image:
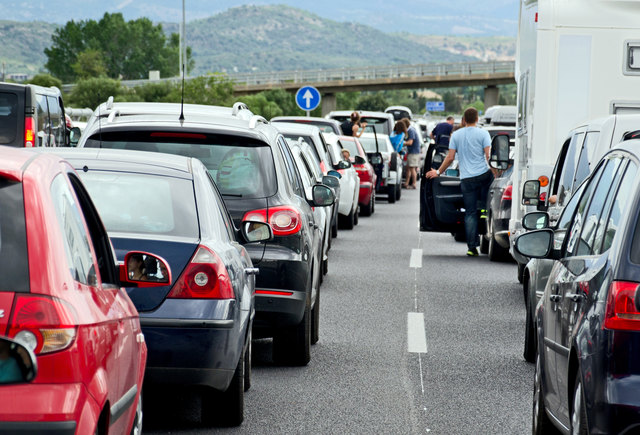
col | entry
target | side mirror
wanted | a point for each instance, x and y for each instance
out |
(333, 173)
(255, 231)
(375, 159)
(343, 164)
(74, 136)
(536, 220)
(141, 269)
(19, 364)
(500, 151)
(323, 196)
(531, 192)
(536, 244)
(359, 160)
(331, 181)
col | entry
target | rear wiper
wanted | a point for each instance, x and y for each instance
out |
(232, 195)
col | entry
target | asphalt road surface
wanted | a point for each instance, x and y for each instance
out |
(415, 338)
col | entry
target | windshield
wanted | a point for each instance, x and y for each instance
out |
(241, 167)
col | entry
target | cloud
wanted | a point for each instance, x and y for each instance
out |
(124, 4)
(460, 30)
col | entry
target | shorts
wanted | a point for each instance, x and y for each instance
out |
(413, 160)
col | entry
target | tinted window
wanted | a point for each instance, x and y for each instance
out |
(291, 168)
(8, 117)
(569, 168)
(620, 205)
(351, 147)
(57, 122)
(241, 167)
(14, 261)
(399, 114)
(143, 204)
(43, 121)
(369, 144)
(381, 124)
(577, 222)
(74, 234)
(307, 139)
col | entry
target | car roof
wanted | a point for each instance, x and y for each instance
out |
(13, 162)
(632, 146)
(305, 118)
(296, 128)
(129, 160)
(362, 113)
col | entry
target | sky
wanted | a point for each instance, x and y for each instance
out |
(434, 17)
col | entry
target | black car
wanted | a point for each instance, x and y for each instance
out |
(253, 168)
(588, 319)
(496, 240)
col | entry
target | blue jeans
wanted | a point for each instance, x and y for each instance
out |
(474, 190)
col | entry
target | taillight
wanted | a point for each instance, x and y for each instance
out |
(42, 323)
(622, 313)
(285, 220)
(543, 196)
(205, 277)
(507, 194)
(29, 132)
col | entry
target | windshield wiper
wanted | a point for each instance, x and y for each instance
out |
(233, 195)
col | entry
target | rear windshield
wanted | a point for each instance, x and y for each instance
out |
(382, 124)
(351, 147)
(369, 144)
(8, 117)
(307, 139)
(399, 114)
(241, 167)
(143, 204)
(14, 262)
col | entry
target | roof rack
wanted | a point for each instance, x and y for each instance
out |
(113, 115)
(109, 103)
(237, 107)
(255, 119)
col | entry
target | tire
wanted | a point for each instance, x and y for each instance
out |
(460, 236)
(391, 194)
(136, 428)
(521, 272)
(248, 356)
(398, 192)
(325, 267)
(367, 209)
(373, 203)
(356, 215)
(530, 350)
(293, 345)
(578, 410)
(334, 228)
(226, 409)
(347, 222)
(315, 320)
(484, 244)
(494, 250)
(540, 424)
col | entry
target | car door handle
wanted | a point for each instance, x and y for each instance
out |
(575, 297)
(555, 298)
(251, 270)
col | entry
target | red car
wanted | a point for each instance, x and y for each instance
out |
(61, 297)
(367, 198)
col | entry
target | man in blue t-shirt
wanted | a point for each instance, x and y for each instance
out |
(412, 143)
(442, 132)
(473, 146)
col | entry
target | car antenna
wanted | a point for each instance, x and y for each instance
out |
(99, 123)
(182, 100)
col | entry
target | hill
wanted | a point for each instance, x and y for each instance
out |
(23, 44)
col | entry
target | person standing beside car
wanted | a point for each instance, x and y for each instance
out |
(413, 157)
(398, 135)
(442, 132)
(353, 126)
(473, 146)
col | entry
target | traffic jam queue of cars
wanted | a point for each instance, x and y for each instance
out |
(168, 245)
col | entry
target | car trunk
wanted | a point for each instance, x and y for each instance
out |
(176, 253)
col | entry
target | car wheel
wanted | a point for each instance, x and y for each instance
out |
(356, 215)
(521, 272)
(373, 203)
(334, 227)
(529, 335)
(225, 409)
(248, 355)
(578, 412)
(460, 236)
(391, 194)
(293, 345)
(398, 192)
(136, 429)
(347, 222)
(541, 424)
(315, 320)
(484, 244)
(494, 250)
(367, 209)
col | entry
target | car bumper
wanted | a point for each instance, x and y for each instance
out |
(366, 190)
(619, 408)
(194, 342)
(67, 408)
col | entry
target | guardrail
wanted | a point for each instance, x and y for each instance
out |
(351, 74)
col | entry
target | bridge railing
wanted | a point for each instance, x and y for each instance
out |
(372, 73)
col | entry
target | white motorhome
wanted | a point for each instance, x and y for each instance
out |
(576, 60)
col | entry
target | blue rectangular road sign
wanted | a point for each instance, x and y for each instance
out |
(435, 106)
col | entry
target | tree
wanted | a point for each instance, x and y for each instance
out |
(89, 64)
(91, 92)
(375, 102)
(128, 49)
(213, 89)
(46, 80)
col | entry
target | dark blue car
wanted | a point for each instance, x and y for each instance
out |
(588, 320)
(198, 329)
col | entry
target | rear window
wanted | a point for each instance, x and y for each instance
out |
(369, 144)
(382, 124)
(14, 262)
(307, 139)
(8, 117)
(351, 147)
(241, 167)
(143, 204)
(399, 114)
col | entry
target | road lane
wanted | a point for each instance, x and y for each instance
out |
(361, 378)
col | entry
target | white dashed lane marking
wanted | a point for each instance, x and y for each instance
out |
(416, 336)
(416, 258)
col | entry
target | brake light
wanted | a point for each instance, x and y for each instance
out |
(621, 312)
(42, 323)
(508, 193)
(29, 132)
(543, 196)
(285, 220)
(205, 277)
(178, 135)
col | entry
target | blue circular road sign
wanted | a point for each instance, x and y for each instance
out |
(308, 98)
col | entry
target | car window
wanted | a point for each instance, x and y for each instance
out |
(307, 139)
(8, 117)
(224, 214)
(143, 204)
(312, 163)
(74, 234)
(57, 122)
(566, 218)
(43, 121)
(240, 167)
(620, 204)
(555, 176)
(305, 174)
(581, 210)
(350, 146)
(583, 167)
(290, 165)
(569, 169)
(369, 144)
(14, 260)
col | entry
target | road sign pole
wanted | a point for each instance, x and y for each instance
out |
(308, 114)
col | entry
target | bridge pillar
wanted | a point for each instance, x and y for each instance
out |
(329, 103)
(491, 95)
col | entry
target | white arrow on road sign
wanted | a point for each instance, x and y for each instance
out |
(307, 97)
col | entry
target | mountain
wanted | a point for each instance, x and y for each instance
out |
(435, 17)
(274, 38)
